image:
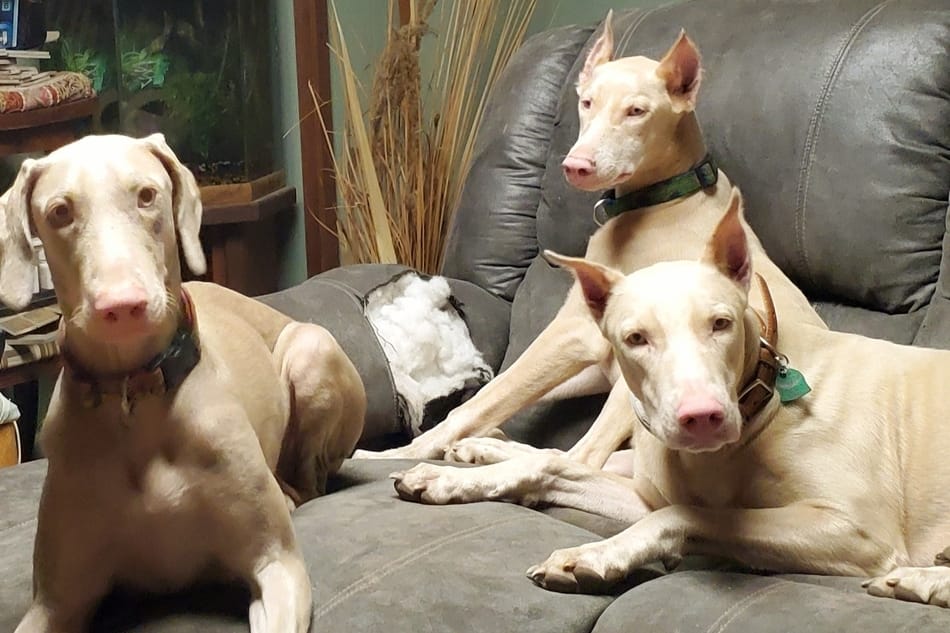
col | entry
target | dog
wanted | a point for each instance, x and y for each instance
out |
(849, 479)
(188, 419)
(638, 133)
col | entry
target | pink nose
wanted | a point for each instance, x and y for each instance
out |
(122, 305)
(700, 415)
(577, 168)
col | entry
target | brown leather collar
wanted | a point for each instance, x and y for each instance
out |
(761, 387)
(163, 373)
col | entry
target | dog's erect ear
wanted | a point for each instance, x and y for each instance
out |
(728, 250)
(602, 51)
(16, 252)
(681, 71)
(186, 202)
(596, 281)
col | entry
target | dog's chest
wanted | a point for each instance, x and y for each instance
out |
(166, 520)
(711, 481)
(159, 495)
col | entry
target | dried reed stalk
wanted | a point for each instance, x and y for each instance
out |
(406, 148)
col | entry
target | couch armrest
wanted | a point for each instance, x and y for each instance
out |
(336, 300)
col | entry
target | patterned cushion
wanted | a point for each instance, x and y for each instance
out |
(58, 87)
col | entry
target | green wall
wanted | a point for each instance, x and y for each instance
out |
(364, 24)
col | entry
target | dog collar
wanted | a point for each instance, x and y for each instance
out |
(161, 374)
(703, 175)
(761, 387)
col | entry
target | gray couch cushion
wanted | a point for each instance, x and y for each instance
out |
(720, 602)
(376, 563)
(19, 497)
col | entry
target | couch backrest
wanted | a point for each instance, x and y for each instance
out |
(833, 118)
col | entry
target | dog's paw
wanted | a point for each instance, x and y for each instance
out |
(943, 558)
(426, 483)
(482, 450)
(584, 569)
(928, 585)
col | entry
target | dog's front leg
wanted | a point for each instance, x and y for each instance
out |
(801, 538)
(613, 427)
(537, 479)
(607, 434)
(929, 585)
(72, 570)
(282, 603)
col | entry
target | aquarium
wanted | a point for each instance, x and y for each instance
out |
(196, 70)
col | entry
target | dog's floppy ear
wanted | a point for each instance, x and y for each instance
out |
(596, 281)
(602, 51)
(186, 202)
(16, 252)
(681, 71)
(728, 249)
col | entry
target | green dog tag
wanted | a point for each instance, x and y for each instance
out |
(790, 384)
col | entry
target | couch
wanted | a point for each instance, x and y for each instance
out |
(833, 117)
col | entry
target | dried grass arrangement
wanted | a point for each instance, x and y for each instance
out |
(407, 145)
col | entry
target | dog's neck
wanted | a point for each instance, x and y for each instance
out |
(100, 359)
(760, 363)
(684, 151)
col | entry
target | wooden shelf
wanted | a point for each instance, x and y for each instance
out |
(264, 207)
(45, 129)
(69, 111)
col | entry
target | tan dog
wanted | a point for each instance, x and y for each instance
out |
(850, 479)
(161, 468)
(637, 128)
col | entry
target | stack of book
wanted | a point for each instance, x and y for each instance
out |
(13, 74)
(29, 336)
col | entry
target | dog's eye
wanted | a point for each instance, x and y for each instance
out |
(586, 103)
(636, 339)
(722, 323)
(147, 196)
(634, 111)
(59, 215)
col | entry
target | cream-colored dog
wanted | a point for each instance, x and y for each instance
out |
(178, 403)
(850, 479)
(637, 129)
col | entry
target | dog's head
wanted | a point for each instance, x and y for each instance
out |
(629, 110)
(107, 209)
(682, 334)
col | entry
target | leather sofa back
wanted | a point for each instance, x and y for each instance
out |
(832, 117)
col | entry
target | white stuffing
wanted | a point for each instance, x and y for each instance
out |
(426, 341)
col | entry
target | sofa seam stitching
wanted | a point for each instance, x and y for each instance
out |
(814, 131)
(16, 526)
(730, 614)
(393, 565)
